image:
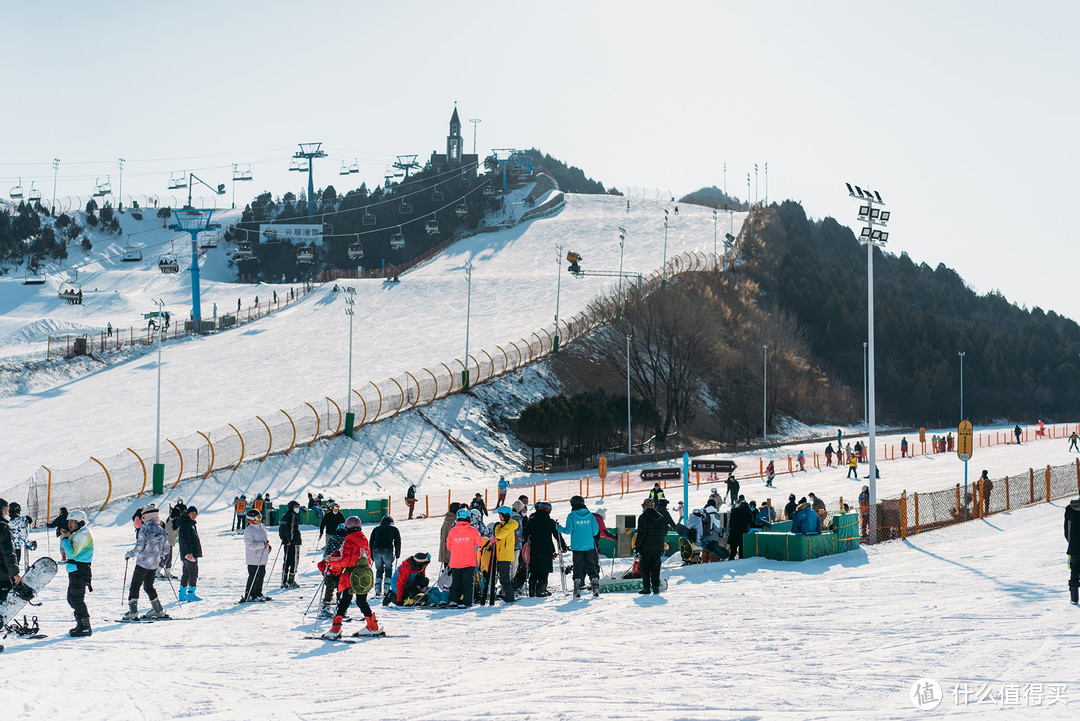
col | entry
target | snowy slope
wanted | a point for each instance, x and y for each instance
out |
(299, 354)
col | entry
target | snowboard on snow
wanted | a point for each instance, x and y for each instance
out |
(35, 579)
(625, 585)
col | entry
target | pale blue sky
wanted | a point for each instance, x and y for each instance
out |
(960, 113)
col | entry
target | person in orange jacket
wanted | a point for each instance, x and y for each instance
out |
(354, 553)
(462, 541)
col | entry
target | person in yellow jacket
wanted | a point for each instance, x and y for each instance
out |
(853, 465)
(505, 534)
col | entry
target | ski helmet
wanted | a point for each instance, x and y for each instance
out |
(388, 520)
(15, 510)
(463, 514)
(352, 523)
(79, 516)
(577, 502)
(254, 515)
(422, 559)
(504, 510)
(543, 506)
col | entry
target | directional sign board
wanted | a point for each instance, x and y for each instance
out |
(661, 474)
(712, 466)
(963, 441)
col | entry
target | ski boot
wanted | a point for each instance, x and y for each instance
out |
(82, 627)
(595, 588)
(335, 629)
(157, 611)
(133, 611)
(191, 594)
(644, 590)
(371, 625)
(579, 584)
(292, 581)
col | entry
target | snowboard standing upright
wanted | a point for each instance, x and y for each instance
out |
(40, 573)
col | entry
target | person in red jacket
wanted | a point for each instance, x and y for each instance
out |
(409, 579)
(601, 516)
(354, 552)
(462, 542)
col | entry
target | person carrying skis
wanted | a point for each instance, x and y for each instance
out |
(190, 552)
(505, 532)
(385, 550)
(409, 581)
(256, 554)
(503, 486)
(541, 536)
(462, 542)
(650, 543)
(9, 562)
(289, 533)
(330, 522)
(149, 552)
(582, 528)
(353, 564)
(77, 546)
(410, 499)
(770, 474)
(20, 532)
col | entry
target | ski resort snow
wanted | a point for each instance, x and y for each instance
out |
(971, 620)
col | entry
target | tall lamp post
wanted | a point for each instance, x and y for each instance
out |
(716, 258)
(159, 467)
(120, 191)
(961, 354)
(663, 266)
(629, 427)
(866, 393)
(55, 169)
(558, 294)
(871, 214)
(350, 304)
(475, 122)
(622, 245)
(468, 312)
(765, 395)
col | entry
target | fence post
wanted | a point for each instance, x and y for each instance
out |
(485, 497)
(903, 515)
(586, 486)
(427, 506)
(447, 500)
(1007, 503)
(602, 479)
(534, 494)
(1031, 478)
(961, 511)
(916, 513)
(545, 488)
(1048, 483)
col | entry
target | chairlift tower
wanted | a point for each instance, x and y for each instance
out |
(308, 152)
(405, 163)
(193, 221)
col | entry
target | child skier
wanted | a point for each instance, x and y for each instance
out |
(149, 552)
(353, 564)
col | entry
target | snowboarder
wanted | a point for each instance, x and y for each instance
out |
(256, 554)
(353, 565)
(582, 528)
(78, 548)
(190, 552)
(649, 543)
(770, 474)
(20, 532)
(9, 563)
(541, 535)
(505, 535)
(1072, 535)
(410, 499)
(149, 552)
(289, 533)
(385, 550)
(462, 541)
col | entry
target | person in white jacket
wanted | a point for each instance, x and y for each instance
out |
(257, 552)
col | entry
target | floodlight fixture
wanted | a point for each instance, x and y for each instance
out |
(875, 213)
(884, 217)
(864, 212)
(865, 234)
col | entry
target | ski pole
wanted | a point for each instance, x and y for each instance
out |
(178, 603)
(269, 575)
(123, 588)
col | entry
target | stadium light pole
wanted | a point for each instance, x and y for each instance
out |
(159, 467)
(468, 312)
(55, 169)
(872, 214)
(716, 257)
(961, 354)
(663, 266)
(558, 294)
(120, 190)
(865, 392)
(765, 395)
(629, 427)
(350, 303)
(622, 246)
(475, 122)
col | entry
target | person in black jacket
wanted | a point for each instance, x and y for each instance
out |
(740, 521)
(330, 522)
(1072, 534)
(9, 562)
(651, 530)
(732, 487)
(190, 552)
(289, 532)
(385, 545)
(59, 522)
(541, 535)
(478, 503)
(789, 509)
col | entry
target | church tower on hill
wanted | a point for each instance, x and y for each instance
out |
(455, 156)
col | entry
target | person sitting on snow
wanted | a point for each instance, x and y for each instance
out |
(409, 581)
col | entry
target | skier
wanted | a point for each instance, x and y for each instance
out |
(240, 508)
(1017, 432)
(172, 536)
(256, 553)
(649, 543)
(410, 499)
(330, 578)
(828, 455)
(190, 552)
(505, 535)
(330, 522)
(409, 580)
(582, 528)
(770, 474)
(353, 565)
(462, 542)
(801, 458)
(853, 465)
(149, 552)
(385, 550)
(503, 486)
(235, 518)
(519, 569)
(59, 522)
(732, 488)
(1072, 535)
(9, 562)
(20, 537)
(1072, 442)
(78, 549)
(541, 536)
(449, 519)
(289, 533)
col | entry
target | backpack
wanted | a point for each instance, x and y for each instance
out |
(706, 526)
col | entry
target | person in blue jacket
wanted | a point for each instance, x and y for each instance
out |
(78, 548)
(807, 521)
(582, 527)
